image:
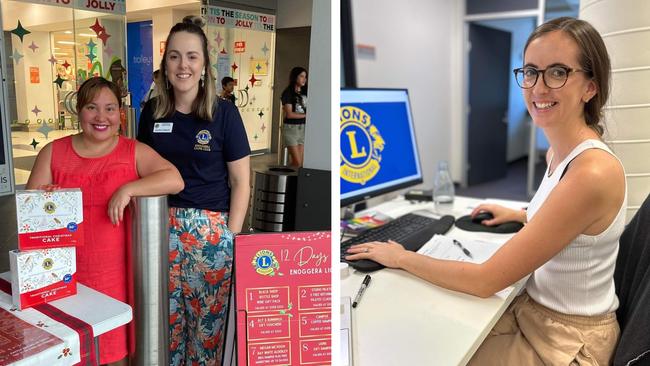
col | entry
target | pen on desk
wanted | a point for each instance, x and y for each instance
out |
(364, 285)
(465, 250)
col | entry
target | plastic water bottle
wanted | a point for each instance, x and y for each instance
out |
(443, 186)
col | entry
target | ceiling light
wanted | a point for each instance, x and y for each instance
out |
(66, 42)
(87, 35)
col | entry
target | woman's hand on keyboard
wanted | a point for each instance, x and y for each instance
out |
(386, 253)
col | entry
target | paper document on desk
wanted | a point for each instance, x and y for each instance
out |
(443, 247)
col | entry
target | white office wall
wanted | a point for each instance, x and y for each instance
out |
(625, 28)
(293, 13)
(416, 44)
(319, 115)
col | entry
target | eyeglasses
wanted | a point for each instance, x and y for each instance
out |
(554, 77)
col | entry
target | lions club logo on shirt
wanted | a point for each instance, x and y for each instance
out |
(265, 263)
(361, 146)
(203, 138)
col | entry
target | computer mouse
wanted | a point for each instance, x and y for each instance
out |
(481, 216)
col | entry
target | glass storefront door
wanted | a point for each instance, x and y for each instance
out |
(52, 50)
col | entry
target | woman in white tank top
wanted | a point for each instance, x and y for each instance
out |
(570, 241)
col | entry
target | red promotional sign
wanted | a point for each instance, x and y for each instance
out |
(240, 47)
(283, 299)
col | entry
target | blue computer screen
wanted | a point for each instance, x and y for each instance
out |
(378, 147)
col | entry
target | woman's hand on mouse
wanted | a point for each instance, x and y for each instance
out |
(501, 214)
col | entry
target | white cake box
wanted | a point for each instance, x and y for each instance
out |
(42, 275)
(49, 219)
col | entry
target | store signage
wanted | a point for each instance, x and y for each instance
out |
(34, 75)
(104, 6)
(240, 47)
(283, 298)
(235, 18)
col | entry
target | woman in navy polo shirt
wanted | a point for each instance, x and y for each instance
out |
(204, 138)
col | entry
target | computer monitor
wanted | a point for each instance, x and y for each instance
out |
(379, 153)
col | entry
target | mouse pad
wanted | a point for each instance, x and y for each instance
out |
(465, 223)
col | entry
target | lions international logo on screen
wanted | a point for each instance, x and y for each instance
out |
(361, 146)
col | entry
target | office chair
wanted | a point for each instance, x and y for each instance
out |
(632, 280)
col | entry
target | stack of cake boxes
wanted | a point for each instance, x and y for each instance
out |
(50, 226)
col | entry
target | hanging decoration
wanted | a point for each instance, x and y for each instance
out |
(261, 114)
(36, 111)
(234, 67)
(265, 49)
(45, 129)
(218, 39)
(20, 31)
(34, 143)
(108, 50)
(252, 80)
(16, 56)
(33, 47)
(97, 28)
(52, 60)
(59, 81)
(66, 64)
(104, 37)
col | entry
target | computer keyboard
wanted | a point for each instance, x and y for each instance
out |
(410, 230)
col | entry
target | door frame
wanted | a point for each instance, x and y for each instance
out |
(460, 135)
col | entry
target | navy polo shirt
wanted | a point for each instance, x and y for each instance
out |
(200, 150)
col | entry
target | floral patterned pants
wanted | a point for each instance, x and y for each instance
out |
(200, 262)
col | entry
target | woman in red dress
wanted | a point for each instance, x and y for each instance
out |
(109, 169)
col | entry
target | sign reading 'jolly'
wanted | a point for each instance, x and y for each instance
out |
(104, 6)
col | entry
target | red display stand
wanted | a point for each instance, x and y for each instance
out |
(283, 299)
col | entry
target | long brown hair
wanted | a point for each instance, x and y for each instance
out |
(204, 103)
(593, 59)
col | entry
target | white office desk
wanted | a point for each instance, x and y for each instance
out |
(404, 320)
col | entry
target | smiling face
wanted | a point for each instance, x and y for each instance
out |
(100, 118)
(184, 62)
(566, 104)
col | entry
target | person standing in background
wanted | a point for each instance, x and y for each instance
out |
(294, 105)
(204, 137)
(228, 85)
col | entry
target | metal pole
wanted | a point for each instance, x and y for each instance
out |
(150, 248)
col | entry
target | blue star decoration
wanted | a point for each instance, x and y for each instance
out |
(265, 49)
(261, 114)
(58, 81)
(91, 45)
(258, 67)
(16, 56)
(20, 31)
(45, 129)
(34, 143)
(91, 56)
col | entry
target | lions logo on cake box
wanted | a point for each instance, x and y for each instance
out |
(42, 275)
(49, 219)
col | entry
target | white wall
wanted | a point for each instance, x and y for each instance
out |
(415, 44)
(163, 20)
(319, 116)
(625, 28)
(294, 13)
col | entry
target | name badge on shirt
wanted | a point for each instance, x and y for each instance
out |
(163, 127)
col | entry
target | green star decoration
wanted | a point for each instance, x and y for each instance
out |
(34, 143)
(20, 31)
(59, 81)
(91, 45)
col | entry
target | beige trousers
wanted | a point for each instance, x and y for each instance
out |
(531, 334)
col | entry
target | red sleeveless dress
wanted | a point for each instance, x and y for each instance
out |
(103, 262)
